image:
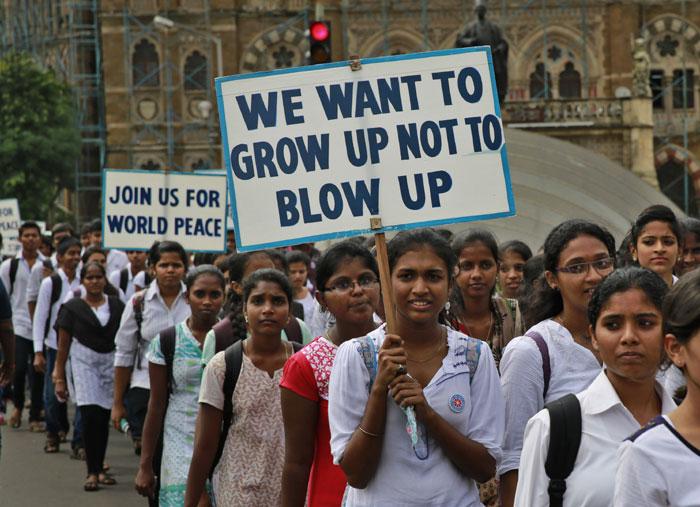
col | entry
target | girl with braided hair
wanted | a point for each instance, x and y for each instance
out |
(233, 326)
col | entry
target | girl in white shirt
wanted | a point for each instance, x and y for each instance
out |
(656, 241)
(555, 357)
(427, 382)
(626, 330)
(660, 465)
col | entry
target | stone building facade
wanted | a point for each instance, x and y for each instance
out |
(570, 70)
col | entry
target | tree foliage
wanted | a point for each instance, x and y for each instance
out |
(39, 136)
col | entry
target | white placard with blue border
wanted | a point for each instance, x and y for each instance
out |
(313, 153)
(140, 207)
(9, 227)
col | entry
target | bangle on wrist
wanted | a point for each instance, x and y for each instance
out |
(369, 434)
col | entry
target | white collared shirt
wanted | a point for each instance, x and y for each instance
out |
(474, 409)
(657, 466)
(156, 317)
(21, 320)
(573, 368)
(35, 278)
(115, 278)
(116, 260)
(605, 423)
(43, 307)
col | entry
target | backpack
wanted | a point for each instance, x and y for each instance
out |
(56, 286)
(14, 265)
(565, 430)
(234, 360)
(564, 442)
(124, 279)
(223, 333)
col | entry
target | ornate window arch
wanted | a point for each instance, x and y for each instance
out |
(145, 64)
(195, 71)
(280, 47)
(673, 43)
(396, 41)
(559, 54)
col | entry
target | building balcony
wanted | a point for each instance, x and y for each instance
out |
(594, 112)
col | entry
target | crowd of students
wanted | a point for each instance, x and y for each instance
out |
(571, 377)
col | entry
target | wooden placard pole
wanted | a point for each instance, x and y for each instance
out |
(375, 224)
(384, 275)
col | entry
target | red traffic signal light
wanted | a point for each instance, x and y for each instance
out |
(319, 31)
(319, 42)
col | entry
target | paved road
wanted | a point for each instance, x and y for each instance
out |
(29, 477)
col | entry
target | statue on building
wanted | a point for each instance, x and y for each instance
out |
(482, 32)
(642, 69)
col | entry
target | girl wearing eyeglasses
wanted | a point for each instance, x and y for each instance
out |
(555, 357)
(348, 287)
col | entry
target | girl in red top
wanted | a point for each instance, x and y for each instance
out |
(348, 287)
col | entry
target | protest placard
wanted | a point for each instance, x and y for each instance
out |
(313, 153)
(140, 207)
(9, 226)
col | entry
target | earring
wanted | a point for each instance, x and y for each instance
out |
(447, 307)
(245, 317)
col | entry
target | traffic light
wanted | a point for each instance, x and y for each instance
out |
(319, 42)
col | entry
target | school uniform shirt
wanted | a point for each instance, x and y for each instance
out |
(605, 423)
(45, 310)
(156, 317)
(308, 304)
(573, 368)
(35, 278)
(657, 466)
(90, 371)
(21, 320)
(116, 260)
(474, 408)
(116, 276)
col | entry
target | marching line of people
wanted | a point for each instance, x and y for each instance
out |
(269, 378)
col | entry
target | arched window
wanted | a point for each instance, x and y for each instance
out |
(569, 82)
(196, 72)
(537, 81)
(144, 65)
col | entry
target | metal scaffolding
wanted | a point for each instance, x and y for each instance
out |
(65, 35)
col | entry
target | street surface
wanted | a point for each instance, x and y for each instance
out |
(29, 477)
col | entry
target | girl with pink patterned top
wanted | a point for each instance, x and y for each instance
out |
(348, 287)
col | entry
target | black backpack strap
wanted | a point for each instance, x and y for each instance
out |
(167, 347)
(56, 286)
(293, 330)
(124, 279)
(546, 363)
(137, 304)
(14, 265)
(296, 346)
(234, 361)
(223, 334)
(298, 310)
(564, 442)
